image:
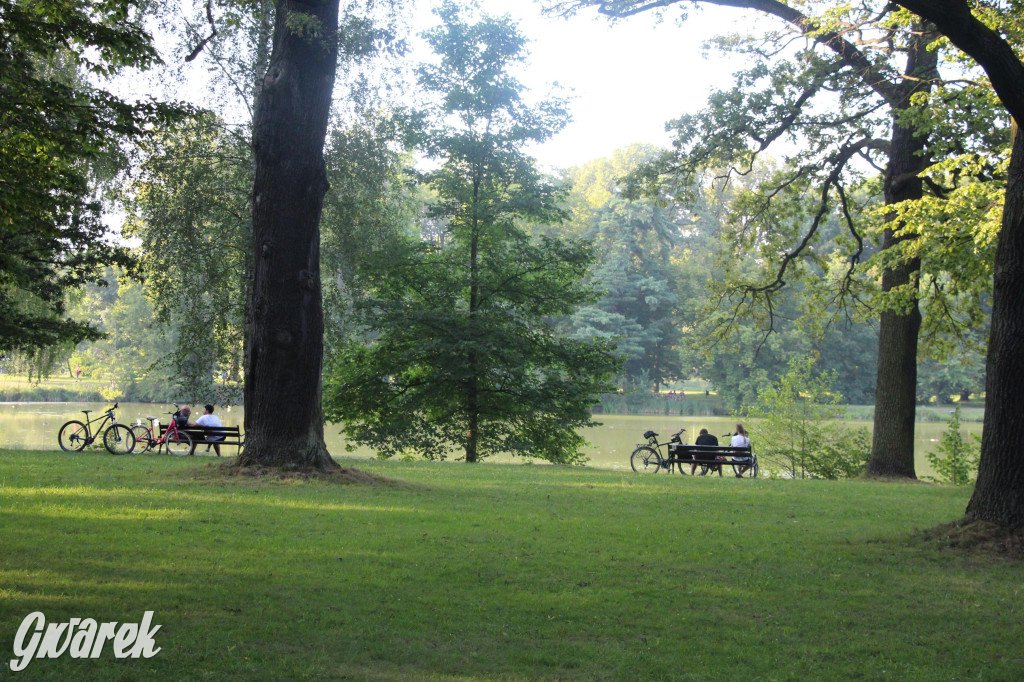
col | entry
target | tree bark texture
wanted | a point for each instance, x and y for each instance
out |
(999, 493)
(892, 441)
(283, 413)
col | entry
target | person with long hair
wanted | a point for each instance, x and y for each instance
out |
(740, 440)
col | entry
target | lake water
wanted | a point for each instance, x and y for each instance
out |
(34, 426)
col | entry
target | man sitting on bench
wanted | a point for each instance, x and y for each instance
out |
(208, 419)
(705, 438)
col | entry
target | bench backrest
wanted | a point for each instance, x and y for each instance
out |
(714, 449)
(206, 430)
(709, 452)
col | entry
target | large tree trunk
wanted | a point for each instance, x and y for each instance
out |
(892, 444)
(283, 414)
(999, 494)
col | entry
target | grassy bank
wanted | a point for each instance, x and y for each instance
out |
(15, 388)
(499, 572)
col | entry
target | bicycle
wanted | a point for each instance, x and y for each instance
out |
(647, 457)
(118, 439)
(177, 442)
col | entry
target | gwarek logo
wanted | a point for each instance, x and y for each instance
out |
(81, 638)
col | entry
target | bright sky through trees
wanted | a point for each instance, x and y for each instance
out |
(627, 79)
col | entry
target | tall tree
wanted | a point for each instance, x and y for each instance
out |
(284, 417)
(853, 67)
(54, 129)
(461, 349)
(999, 493)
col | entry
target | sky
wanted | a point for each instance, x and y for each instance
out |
(627, 79)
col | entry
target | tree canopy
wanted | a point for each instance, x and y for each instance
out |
(56, 126)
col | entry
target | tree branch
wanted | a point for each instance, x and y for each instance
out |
(847, 51)
(956, 21)
(213, 33)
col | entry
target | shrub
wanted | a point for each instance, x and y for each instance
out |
(799, 436)
(955, 460)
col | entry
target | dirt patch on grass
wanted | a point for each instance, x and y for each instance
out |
(343, 476)
(977, 538)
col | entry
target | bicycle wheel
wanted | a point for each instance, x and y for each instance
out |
(180, 444)
(119, 440)
(142, 441)
(72, 436)
(645, 460)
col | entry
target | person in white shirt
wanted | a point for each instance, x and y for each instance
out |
(740, 440)
(209, 419)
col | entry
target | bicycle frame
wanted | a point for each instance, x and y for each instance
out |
(90, 434)
(668, 461)
(75, 435)
(154, 439)
(665, 462)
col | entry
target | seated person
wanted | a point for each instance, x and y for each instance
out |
(209, 419)
(740, 440)
(181, 417)
(705, 438)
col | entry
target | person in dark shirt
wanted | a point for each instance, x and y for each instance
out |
(181, 417)
(705, 438)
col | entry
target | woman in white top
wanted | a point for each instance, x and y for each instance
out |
(740, 440)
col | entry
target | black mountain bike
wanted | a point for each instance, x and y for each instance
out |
(648, 457)
(118, 439)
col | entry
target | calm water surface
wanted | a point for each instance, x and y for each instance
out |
(34, 426)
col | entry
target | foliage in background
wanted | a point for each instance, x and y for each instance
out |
(799, 436)
(55, 129)
(371, 205)
(640, 258)
(955, 460)
(188, 207)
(460, 347)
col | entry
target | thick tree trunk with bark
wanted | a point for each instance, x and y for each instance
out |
(283, 414)
(999, 493)
(892, 443)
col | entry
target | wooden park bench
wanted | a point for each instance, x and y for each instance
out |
(647, 458)
(211, 435)
(709, 457)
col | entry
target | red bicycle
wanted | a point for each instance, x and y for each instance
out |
(177, 442)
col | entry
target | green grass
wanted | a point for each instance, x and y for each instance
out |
(499, 572)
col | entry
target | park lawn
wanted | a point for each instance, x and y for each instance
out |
(508, 572)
